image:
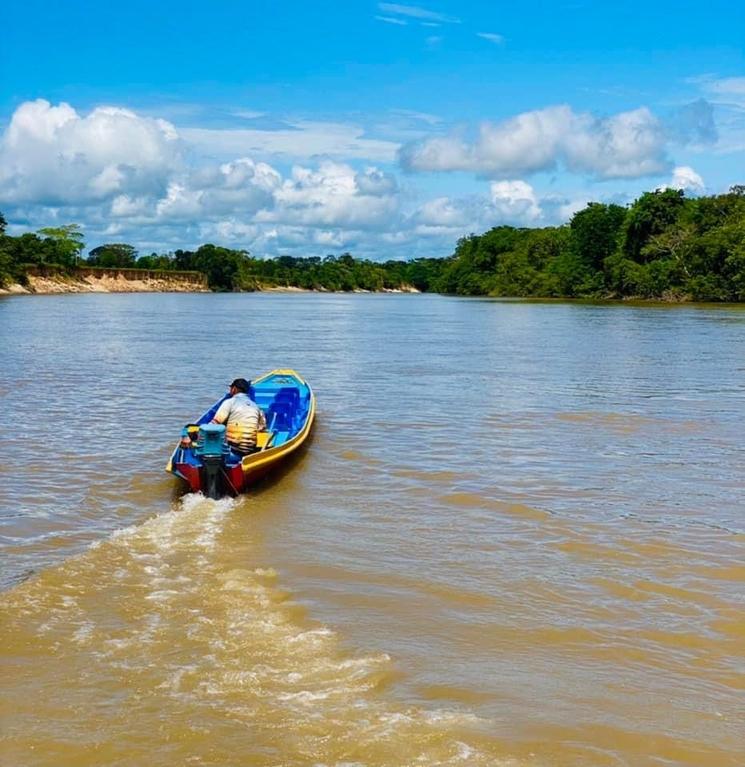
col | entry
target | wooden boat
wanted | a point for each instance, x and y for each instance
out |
(205, 461)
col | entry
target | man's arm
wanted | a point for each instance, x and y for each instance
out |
(222, 412)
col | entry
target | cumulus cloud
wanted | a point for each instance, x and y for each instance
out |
(124, 206)
(445, 212)
(335, 195)
(239, 187)
(140, 180)
(375, 182)
(515, 200)
(512, 202)
(686, 178)
(627, 145)
(52, 154)
(114, 170)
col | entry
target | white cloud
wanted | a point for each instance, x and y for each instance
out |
(375, 182)
(684, 177)
(627, 145)
(491, 37)
(415, 12)
(335, 195)
(137, 179)
(303, 140)
(391, 20)
(180, 202)
(53, 154)
(566, 209)
(125, 206)
(727, 86)
(444, 212)
(515, 200)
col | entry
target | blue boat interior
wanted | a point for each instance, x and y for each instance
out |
(285, 401)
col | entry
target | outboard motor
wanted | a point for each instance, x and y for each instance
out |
(211, 448)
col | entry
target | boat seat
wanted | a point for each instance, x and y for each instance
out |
(283, 422)
(264, 439)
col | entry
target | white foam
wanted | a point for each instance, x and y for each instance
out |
(161, 596)
(266, 572)
(312, 636)
(83, 633)
(304, 696)
(464, 750)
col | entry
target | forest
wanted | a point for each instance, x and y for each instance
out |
(663, 246)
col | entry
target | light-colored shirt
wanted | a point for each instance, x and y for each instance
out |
(242, 418)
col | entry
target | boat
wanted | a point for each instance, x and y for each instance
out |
(203, 459)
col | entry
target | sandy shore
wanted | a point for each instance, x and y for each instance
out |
(102, 284)
(38, 285)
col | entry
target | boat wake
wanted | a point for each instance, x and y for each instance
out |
(171, 637)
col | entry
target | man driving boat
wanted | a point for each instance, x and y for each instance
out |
(242, 417)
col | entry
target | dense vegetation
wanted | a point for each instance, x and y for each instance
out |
(226, 269)
(664, 245)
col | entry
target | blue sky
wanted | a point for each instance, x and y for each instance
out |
(385, 129)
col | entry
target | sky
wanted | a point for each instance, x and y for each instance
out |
(386, 130)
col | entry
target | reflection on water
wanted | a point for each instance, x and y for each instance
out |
(517, 537)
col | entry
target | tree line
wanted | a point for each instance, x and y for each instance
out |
(662, 246)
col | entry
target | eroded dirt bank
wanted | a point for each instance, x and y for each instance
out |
(105, 283)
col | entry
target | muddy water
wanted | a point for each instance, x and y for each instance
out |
(517, 537)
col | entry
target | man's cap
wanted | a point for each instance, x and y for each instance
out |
(241, 384)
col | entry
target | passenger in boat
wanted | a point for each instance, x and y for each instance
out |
(242, 417)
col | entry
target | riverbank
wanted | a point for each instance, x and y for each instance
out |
(108, 282)
(123, 283)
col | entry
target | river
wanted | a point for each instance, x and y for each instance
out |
(516, 538)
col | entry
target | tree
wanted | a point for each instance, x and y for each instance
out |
(68, 241)
(115, 255)
(226, 269)
(3, 224)
(651, 214)
(154, 261)
(595, 232)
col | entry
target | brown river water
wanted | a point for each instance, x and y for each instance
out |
(516, 538)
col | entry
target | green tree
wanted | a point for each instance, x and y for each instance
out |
(115, 255)
(596, 232)
(161, 262)
(651, 214)
(6, 260)
(226, 269)
(68, 240)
